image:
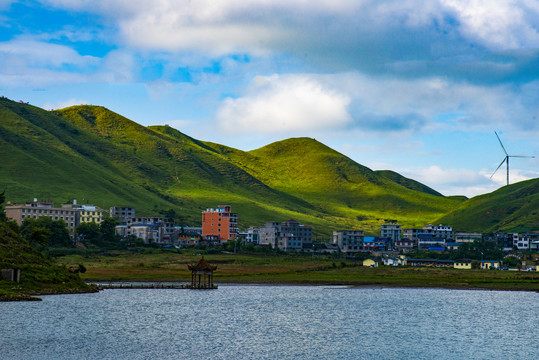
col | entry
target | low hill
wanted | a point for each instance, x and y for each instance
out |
(38, 275)
(94, 155)
(336, 185)
(511, 208)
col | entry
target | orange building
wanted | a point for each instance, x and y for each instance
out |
(220, 222)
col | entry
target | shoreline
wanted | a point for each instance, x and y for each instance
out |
(332, 284)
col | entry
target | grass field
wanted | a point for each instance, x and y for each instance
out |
(293, 269)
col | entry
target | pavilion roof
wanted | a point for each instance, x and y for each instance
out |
(201, 265)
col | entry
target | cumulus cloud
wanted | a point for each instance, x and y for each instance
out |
(36, 53)
(505, 24)
(37, 63)
(347, 101)
(285, 104)
(388, 36)
(451, 181)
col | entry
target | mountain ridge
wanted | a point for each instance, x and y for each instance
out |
(96, 155)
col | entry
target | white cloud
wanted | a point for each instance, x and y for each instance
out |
(64, 104)
(354, 102)
(451, 181)
(36, 54)
(291, 104)
(224, 26)
(31, 62)
(118, 66)
(503, 24)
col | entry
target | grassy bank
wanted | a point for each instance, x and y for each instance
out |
(293, 269)
(43, 280)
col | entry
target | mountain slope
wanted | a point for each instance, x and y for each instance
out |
(335, 184)
(511, 208)
(406, 182)
(92, 154)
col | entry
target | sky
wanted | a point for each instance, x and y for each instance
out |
(417, 87)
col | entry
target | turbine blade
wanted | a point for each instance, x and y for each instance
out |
(499, 166)
(521, 156)
(503, 148)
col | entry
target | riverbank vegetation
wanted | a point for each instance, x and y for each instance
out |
(38, 274)
(305, 269)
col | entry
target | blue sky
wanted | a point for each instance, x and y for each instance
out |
(418, 87)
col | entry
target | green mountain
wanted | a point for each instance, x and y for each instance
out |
(406, 182)
(93, 155)
(511, 208)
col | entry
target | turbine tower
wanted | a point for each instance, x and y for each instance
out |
(506, 159)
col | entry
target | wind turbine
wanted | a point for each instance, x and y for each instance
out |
(506, 159)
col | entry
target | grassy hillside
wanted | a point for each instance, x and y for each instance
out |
(93, 155)
(38, 275)
(406, 182)
(336, 186)
(512, 208)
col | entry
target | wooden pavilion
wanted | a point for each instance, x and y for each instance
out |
(202, 275)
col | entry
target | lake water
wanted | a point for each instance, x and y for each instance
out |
(274, 322)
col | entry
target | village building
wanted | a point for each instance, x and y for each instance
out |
(348, 241)
(452, 246)
(463, 264)
(391, 230)
(35, 209)
(251, 236)
(489, 264)
(429, 241)
(149, 233)
(288, 236)
(122, 213)
(220, 222)
(370, 263)
(430, 262)
(391, 261)
(404, 245)
(188, 238)
(465, 237)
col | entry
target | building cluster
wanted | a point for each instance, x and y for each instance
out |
(402, 260)
(72, 214)
(429, 238)
(220, 225)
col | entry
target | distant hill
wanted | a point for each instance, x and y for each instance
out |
(96, 156)
(511, 208)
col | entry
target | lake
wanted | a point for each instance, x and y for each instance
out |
(274, 322)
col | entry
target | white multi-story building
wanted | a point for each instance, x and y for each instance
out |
(439, 231)
(250, 236)
(35, 209)
(348, 241)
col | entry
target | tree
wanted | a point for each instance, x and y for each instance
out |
(46, 232)
(171, 215)
(89, 233)
(35, 234)
(108, 230)
(3, 217)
